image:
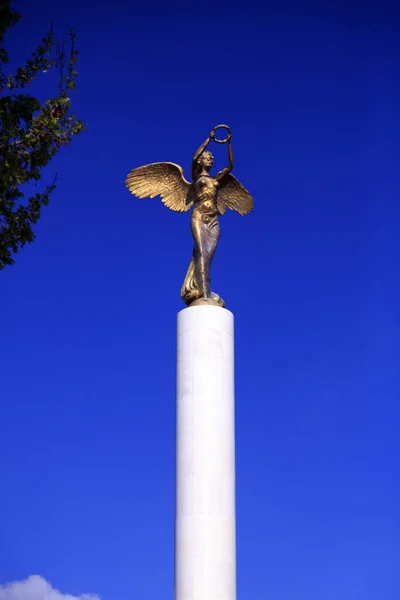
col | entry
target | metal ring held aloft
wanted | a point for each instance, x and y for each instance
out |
(228, 137)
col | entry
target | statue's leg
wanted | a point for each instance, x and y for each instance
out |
(205, 235)
(201, 257)
(211, 241)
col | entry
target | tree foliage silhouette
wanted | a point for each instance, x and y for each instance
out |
(31, 131)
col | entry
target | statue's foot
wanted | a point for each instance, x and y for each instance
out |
(211, 299)
(217, 298)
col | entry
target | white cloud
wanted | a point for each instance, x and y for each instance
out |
(37, 588)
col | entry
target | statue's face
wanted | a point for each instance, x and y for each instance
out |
(206, 160)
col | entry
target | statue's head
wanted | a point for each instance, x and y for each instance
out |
(205, 161)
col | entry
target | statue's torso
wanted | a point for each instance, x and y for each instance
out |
(206, 192)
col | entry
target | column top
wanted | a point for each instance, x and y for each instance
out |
(205, 317)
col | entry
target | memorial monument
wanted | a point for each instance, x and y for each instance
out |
(205, 515)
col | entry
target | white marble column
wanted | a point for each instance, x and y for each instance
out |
(205, 525)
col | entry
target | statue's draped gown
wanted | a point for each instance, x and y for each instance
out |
(205, 230)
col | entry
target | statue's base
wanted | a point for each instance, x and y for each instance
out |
(208, 302)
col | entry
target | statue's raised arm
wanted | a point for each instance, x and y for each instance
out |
(209, 196)
(197, 155)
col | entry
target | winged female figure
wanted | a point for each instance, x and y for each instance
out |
(209, 196)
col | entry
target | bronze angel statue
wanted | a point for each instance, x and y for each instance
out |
(209, 196)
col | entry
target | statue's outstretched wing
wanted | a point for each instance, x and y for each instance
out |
(233, 195)
(161, 179)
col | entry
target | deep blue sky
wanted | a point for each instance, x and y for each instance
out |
(312, 93)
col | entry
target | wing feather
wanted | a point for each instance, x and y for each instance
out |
(233, 195)
(161, 179)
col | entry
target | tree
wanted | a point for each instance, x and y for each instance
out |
(31, 131)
